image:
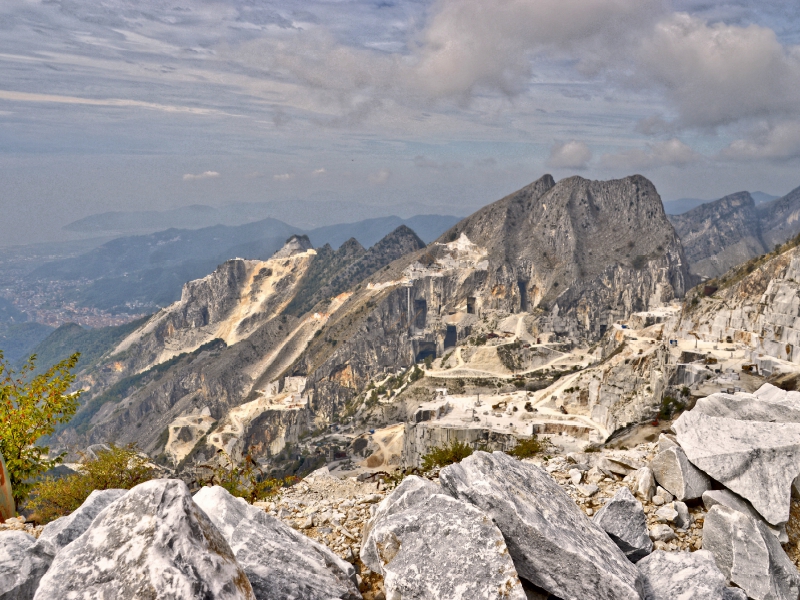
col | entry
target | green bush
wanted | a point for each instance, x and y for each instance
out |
(116, 468)
(446, 455)
(529, 447)
(245, 480)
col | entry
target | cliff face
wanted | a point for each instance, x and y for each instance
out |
(720, 235)
(780, 219)
(756, 305)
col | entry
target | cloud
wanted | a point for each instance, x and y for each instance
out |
(112, 102)
(464, 47)
(719, 74)
(776, 143)
(668, 153)
(204, 175)
(380, 177)
(570, 155)
(283, 177)
(474, 44)
(318, 172)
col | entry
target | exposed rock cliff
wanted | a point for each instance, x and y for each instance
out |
(221, 346)
(756, 305)
(721, 234)
(579, 255)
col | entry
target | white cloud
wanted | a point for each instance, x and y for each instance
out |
(719, 74)
(110, 102)
(204, 175)
(380, 177)
(668, 153)
(318, 172)
(777, 143)
(570, 155)
(283, 177)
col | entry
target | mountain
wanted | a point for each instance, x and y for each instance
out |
(229, 331)
(719, 235)
(755, 306)
(761, 197)
(682, 205)
(140, 273)
(308, 214)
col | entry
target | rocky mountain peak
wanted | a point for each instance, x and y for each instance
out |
(294, 245)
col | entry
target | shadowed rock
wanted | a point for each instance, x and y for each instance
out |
(280, 563)
(20, 570)
(622, 518)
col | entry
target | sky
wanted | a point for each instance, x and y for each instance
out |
(156, 104)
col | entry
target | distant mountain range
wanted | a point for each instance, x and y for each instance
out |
(142, 273)
(306, 214)
(682, 205)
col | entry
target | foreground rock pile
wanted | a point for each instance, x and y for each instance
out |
(701, 514)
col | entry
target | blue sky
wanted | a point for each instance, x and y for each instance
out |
(125, 105)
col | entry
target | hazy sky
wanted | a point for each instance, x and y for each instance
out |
(143, 104)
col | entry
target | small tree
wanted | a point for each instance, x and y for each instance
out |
(30, 408)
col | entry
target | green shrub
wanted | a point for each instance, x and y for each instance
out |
(116, 468)
(416, 374)
(529, 447)
(669, 406)
(245, 480)
(446, 455)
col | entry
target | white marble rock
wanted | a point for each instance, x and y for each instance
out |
(64, 530)
(442, 549)
(678, 476)
(280, 563)
(20, 569)
(682, 575)
(731, 500)
(553, 543)
(759, 461)
(749, 555)
(154, 542)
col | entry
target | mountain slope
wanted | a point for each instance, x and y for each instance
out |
(755, 305)
(721, 234)
(230, 331)
(780, 219)
(578, 255)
